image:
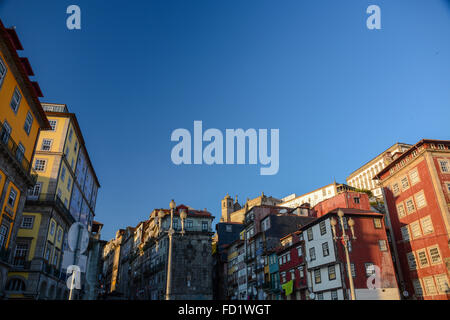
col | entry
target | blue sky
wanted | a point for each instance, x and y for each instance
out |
(137, 70)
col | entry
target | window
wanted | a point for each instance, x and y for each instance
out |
(370, 268)
(283, 277)
(39, 164)
(70, 135)
(430, 288)
(435, 255)
(410, 206)
(229, 228)
(12, 197)
(323, 228)
(52, 227)
(6, 132)
(189, 224)
(331, 272)
(377, 223)
(301, 272)
(417, 287)
(2, 71)
(334, 295)
(46, 144)
(292, 272)
(69, 183)
(310, 234)
(395, 189)
(444, 164)
(28, 123)
(312, 254)
(75, 146)
(265, 224)
(405, 233)
(448, 187)
(317, 276)
(325, 249)
(3, 235)
(415, 229)
(405, 183)
(204, 225)
(63, 174)
(59, 235)
(420, 200)
(427, 225)
(20, 254)
(299, 251)
(55, 257)
(27, 222)
(442, 283)
(422, 257)
(356, 200)
(320, 296)
(382, 244)
(353, 270)
(48, 252)
(414, 176)
(53, 124)
(15, 100)
(412, 262)
(20, 152)
(59, 194)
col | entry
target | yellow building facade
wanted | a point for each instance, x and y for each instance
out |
(21, 119)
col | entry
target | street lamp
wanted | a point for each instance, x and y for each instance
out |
(170, 233)
(345, 240)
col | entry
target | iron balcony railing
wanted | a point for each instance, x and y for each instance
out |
(49, 199)
(11, 147)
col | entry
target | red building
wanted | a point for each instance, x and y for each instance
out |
(291, 264)
(416, 186)
(348, 199)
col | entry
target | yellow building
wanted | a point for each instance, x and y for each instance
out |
(65, 192)
(21, 119)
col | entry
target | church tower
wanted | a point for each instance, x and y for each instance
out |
(227, 208)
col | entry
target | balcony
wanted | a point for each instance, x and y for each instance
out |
(50, 199)
(9, 147)
(21, 263)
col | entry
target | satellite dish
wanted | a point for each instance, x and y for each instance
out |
(78, 237)
(405, 293)
(311, 296)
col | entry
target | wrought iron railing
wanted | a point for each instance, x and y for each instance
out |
(16, 153)
(49, 199)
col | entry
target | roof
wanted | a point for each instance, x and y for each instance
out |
(408, 152)
(12, 42)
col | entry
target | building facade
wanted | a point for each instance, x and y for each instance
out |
(416, 186)
(21, 120)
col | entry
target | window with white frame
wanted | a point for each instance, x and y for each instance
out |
(52, 227)
(12, 197)
(320, 296)
(204, 225)
(3, 71)
(414, 176)
(325, 249)
(21, 253)
(420, 199)
(401, 210)
(445, 167)
(427, 225)
(27, 222)
(377, 223)
(442, 283)
(415, 229)
(15, 100)
(310, 234)
(53, 124)
(292, 272)
(299, 251)
(410, 206)
(331, 272)
(301, 272)
(46, 144)
(265, 224)
(28, 123)
(39, 164)
(334, 295)
(405, 233)
(435, 255)
(412, 262)
(3, 235)
(430, 288)
(395, 189)
(312, 254)
(317, 276)
(383, 245)
(370, 268)
(323, 228)
(405, 183)
(422, 258)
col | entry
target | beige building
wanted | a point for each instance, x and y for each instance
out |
(362, 178)
(232, 211)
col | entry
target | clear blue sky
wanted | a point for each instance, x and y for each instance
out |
(339, 93)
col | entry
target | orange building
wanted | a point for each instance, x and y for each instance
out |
(21, 119)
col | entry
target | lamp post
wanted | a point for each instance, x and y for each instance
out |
(170, 234)
(345, 240)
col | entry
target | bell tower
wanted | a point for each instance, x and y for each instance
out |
(227, 208)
